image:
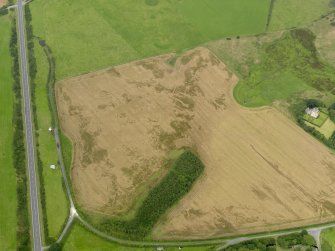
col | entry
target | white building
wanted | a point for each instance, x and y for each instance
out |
(313, 112)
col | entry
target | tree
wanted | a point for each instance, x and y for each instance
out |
(55, 247)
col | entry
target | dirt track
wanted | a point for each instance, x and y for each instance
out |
(262, 171)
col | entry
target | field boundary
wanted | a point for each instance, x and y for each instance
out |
(272, 3)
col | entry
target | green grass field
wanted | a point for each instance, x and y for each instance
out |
(269, 87)
(288, 66)
(328, 239)
(56, 202)
(89, 35)
(297, 13)
(7, 171)
(83, 240)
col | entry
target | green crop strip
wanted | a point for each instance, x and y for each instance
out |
(178, 182)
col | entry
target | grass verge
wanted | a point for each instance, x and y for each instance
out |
(328, 239)
(81, 239)
(56, 201)
(52, 196)
(7, 172)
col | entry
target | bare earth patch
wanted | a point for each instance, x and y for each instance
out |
(2, 2)
(262, 171)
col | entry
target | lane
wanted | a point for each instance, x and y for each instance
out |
(34, 202)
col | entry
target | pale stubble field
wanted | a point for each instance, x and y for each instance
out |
(262, 171)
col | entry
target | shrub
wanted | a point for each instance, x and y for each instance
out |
(302, 238)
(331, 112)
(311, 103)
(267, 244)
(3, 12)
(55, 247)
(152, 2)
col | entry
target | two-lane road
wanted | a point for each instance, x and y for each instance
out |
(34, 201)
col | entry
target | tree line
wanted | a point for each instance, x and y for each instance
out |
(19, 152)
(301, 239)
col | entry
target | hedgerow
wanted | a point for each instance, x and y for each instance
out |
(179, 181)
(291, 240)
(19, 152)
(3, 10)
(331, 112)
(302, 239)
(266, 244)
(272, 3)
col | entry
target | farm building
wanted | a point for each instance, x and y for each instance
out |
(313, 112)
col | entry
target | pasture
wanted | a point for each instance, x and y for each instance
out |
(297, 13)
(56, 202)
(7, 170)
(126, 121)
(111, 32)
(288, 67)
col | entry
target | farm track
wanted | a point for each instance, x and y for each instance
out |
(314, 231)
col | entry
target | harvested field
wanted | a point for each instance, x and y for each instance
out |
(262, 171)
